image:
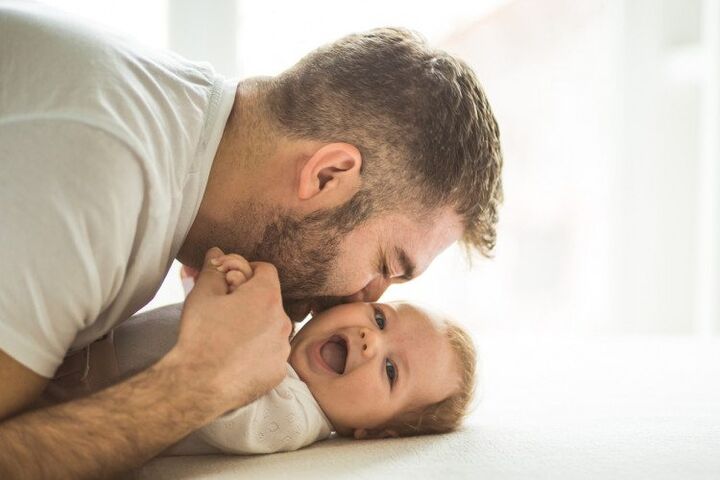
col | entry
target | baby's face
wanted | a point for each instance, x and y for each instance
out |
(369, 363)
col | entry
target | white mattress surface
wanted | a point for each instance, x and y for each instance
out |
(613, 408)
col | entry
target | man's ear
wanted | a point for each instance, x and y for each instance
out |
(363, 434)
(332, 172)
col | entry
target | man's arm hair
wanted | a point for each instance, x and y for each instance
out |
(232, 347)
(110, 431)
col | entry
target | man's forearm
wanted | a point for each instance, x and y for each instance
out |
(110, 431)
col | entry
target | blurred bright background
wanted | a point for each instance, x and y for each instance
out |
(610, 119)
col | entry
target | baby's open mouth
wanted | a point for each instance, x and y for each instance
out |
(334, 353)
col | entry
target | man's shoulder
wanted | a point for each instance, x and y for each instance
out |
(57, 149)
(53, 64)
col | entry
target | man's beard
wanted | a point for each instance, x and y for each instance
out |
(304, 251)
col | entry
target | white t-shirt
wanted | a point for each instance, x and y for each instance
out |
(105, 151)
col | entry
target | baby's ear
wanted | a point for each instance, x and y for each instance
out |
(363, 434)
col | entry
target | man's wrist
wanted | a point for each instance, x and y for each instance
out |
(204, 384)
(111, 430)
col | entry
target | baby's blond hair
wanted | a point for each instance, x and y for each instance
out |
(446, 415)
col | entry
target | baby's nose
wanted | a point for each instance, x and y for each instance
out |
(368, 342)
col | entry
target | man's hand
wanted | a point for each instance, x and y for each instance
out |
(232, 348)
(237, 340)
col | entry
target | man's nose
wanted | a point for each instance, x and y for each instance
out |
(370, 292)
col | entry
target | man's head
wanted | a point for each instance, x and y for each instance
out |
(322, 262)
(417, 115)
(370, 155)
(386, 369)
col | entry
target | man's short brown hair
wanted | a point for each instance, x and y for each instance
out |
(418, 116)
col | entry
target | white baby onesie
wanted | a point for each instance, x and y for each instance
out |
(286, 418)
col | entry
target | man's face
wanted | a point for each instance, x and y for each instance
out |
(367, 364)
(320, 267)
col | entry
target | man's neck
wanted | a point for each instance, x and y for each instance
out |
(230, 191)
(252, 180)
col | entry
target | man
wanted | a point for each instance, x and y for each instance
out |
(348, 172)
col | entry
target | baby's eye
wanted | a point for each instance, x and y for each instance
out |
(380, 318)
(390, 369)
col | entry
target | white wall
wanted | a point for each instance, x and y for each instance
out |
(666, 235)
(205, 31)
(608, 110)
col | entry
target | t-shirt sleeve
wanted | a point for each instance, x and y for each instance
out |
(71, 196)
(279, 421)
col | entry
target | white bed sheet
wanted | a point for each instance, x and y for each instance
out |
(636, 408)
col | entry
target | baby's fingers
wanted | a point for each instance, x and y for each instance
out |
(233, 261)
(234, 279)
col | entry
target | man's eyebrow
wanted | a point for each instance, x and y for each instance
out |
(382, 262)
(407, 265)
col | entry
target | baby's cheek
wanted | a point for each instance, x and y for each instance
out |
(357, 390)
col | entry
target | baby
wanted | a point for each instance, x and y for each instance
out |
(365, 370)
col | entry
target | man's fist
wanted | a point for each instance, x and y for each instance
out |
(234, 331)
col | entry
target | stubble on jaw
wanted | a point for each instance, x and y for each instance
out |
(304, 250)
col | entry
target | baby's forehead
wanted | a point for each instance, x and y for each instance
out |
(414, 312)
(422, 332)
(429, 354)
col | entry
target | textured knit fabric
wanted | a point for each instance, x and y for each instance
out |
(286, 418)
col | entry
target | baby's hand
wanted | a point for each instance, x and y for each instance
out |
(237, 270)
